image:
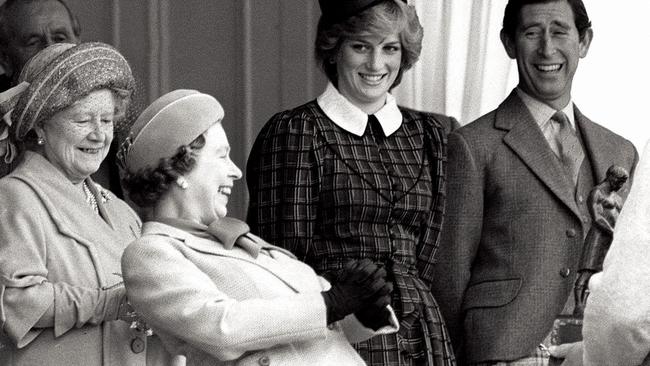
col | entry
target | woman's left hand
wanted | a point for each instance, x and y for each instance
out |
(570, 352)
(128, 314)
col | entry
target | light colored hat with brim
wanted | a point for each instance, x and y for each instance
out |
(61, 74)
(171, 121)
(54, 79)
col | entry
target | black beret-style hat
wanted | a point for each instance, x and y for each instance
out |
(340, 10)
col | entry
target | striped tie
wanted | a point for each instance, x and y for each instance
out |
(569, 148)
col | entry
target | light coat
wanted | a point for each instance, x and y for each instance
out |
(225, 307)
(56, 251)
(513, 234)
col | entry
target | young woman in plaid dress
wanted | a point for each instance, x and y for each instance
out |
(352, 175)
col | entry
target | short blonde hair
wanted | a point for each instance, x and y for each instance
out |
(387, 17)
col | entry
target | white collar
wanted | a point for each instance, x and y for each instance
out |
(542, 112)
(352, 119)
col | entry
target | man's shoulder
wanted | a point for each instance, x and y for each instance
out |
(481, 128)
(613, 140)
(447, 123)
(596, 127)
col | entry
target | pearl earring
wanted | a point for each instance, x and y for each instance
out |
(181, 182)
(40, 141)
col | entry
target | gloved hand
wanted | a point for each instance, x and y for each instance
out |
(376, 315)
(359, 284)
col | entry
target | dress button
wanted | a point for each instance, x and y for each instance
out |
(137, 345)
(565, 272)
(264, 361)
(571, 233)
(580, 199)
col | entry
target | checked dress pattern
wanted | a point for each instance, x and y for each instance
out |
(328, 196)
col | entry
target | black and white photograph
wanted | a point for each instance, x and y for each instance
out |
(324, 182)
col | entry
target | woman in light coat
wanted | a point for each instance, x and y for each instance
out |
(62, 300)
(212, 290)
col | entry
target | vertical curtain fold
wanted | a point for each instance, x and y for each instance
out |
(460, 73)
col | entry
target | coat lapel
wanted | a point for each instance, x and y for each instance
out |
(598, 147)
(527, 141)
(212, 247)
(67, 207)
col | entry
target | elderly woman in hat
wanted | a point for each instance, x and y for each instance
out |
(62, 301)
(353, 175)
(212, 290)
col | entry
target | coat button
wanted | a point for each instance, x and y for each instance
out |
(565, 272)
(137, 345)
(571, 233)
(264, 361)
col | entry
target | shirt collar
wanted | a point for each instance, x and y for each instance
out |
(542, 112)
(352, 119)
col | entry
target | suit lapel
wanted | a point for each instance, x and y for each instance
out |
(597, 146)
(525, 138)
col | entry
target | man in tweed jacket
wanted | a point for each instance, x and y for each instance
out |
(516, 219)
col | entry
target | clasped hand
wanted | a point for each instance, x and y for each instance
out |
(360, 288)
(127, 313)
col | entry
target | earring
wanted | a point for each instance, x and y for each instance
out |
(181, 182)
(40, 141)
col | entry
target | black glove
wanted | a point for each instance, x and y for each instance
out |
(374, 317)
(357, 285)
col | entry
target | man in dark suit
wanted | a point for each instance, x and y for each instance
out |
(518, 179)
(28, 26)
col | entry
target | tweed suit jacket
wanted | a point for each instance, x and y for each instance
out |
(513, 230)
(224, 307)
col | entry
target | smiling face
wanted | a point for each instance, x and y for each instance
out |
(34, 25)
(77, 138)
(367, 67)
(211, 180)
(547, 48)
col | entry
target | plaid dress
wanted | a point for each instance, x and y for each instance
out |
(330, 196)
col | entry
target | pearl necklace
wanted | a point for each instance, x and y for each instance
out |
(90, 198)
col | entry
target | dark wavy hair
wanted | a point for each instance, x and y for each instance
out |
(147, 185)
(513, 8)
(384, 18)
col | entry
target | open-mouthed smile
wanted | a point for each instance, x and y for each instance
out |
(90, 150)
(548, 68)
(372, 78)
(225, 190)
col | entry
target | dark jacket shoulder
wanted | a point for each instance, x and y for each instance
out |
(446, 123)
